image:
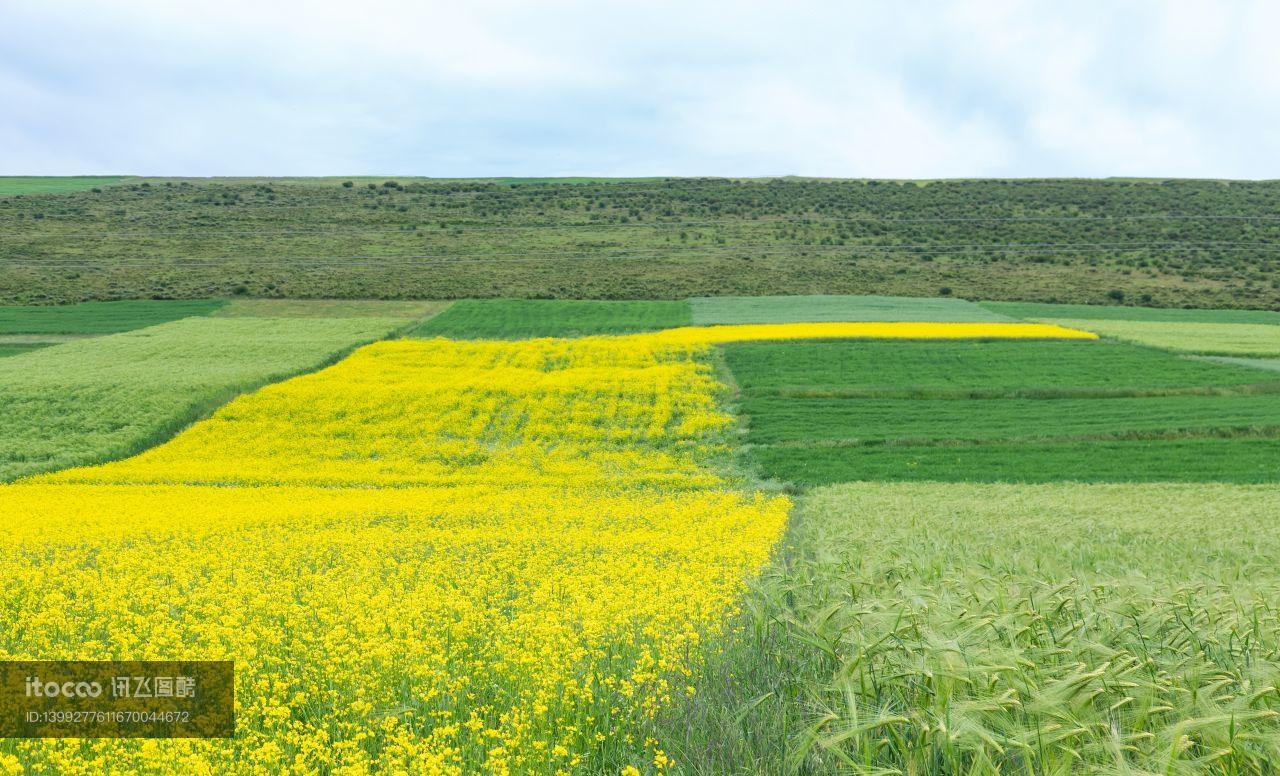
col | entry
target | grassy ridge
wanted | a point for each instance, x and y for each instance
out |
(20, 185)
(1158, 243)
(525, 318)
(944, 629)
(812, 309)
(100, 317)
(1032, 310)
(1215, 339)
(102, 398)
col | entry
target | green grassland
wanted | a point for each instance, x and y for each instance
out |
(1035, 311)
(1213, 339)
(1157, 243)
(788, 309)
(100, 317)
(1020, 629)
(108, 397)
(19, 185)
(524, 318)
(824, 412)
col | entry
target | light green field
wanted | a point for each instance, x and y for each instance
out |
(10, 185)
(811, 309)
(961, 629)
(1269, 364)
(107, 397)
(327, 308)
(1032, 310)
(524, 318)
(1215, 339)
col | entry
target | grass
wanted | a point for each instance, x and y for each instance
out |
(810, 309)
(524, 318)
(327, 308)
(108, 397)
(1043, 240)
(939, 369)
(20, 185)
(1051, 629)
(1210, 339)
(821, 413)
(1031, 310)
(100, 317)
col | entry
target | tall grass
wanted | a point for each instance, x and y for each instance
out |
(948, 629)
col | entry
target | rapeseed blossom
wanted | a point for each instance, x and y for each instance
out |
(433, 557)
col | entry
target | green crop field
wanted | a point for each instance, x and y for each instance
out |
(777, 420)
(327, 308)
(1079, 241)
(1051, 629)
(1237, 458)
(18, 185)
(1216, 339)
(788, 309)
(963, 369)
(826, 412)
(107, 397)
(521, 318)
(100, 317)
(1034, 311)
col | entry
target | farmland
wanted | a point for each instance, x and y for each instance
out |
(96, 399)
(653, 537)
(1206, 244)
(944, 628)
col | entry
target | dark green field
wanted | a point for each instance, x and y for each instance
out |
(1148, 242)
(827, 412)
(523, 318)
(963, 369)
(16, 350)
(100, 317)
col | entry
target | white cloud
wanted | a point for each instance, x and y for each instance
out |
(930, 89)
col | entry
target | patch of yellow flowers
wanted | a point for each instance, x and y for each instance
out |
(434, 557)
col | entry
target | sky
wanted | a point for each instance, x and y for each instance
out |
(860, 88)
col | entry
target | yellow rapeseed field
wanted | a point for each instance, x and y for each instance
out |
(431, 557)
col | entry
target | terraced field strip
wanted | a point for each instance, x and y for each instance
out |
(1212, 339)
(525, 318)
(1038, 311)
(1021, 629)
(102, 398)
(818, 413)
(807, 309)
(100, 317)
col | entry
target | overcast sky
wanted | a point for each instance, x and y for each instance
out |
(877, 88)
